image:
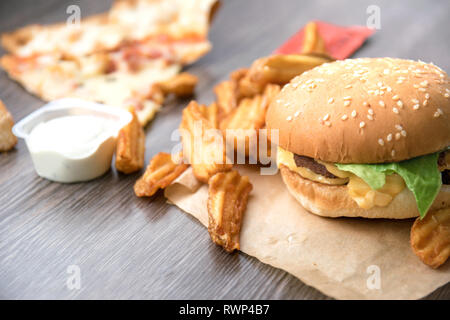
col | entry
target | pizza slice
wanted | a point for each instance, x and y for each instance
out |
(124, 74)
(127, 20)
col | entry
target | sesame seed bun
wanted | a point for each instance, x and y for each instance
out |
(369, 110)
(334, 201)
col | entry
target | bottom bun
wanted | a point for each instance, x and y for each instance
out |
(334, 201)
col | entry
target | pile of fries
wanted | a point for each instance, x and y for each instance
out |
(241, 104)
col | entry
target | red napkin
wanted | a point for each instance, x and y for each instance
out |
(340, 42)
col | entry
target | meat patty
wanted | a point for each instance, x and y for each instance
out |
(318, 168)
(446, 177)
(313, 165)
(442, 161)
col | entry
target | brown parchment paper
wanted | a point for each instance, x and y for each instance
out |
(338, 256)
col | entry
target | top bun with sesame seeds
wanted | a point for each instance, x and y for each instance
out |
(368, 110)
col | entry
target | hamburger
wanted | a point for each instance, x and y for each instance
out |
(366, 138)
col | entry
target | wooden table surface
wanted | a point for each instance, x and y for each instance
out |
(135, 248)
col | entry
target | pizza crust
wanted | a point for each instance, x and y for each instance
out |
(7, 139)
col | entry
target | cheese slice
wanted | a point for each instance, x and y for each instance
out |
(357, 188)
(287, 158)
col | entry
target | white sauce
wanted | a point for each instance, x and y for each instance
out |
(72, 136)
(73, 148)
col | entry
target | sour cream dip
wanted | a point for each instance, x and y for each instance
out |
(72, 148)
(72, 140)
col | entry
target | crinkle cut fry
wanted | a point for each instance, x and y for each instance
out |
(251, 112)
(282, 68)
(227, 200)
(226, 96)
(198, 130)
(181, 85)
(250, 115)
(313, 41)
(130, 148)
(228, 92)
(7, 139)
(160, 173)
(430, 237)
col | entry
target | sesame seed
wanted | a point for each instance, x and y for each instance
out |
(353, 113)
(348, 86)
(403, 132)
(365, 104)
(344, 117)
(389, 89)
(289, 118)
(436, 114)
(422, 89)
(447, 95)
(296, 113)
(362, 124)
(346, 103)
(326, 117)
(393, 152)
(331, 100)
(369, 117)
(389, 137)
(395, 98)
(395, 110)
(347, 98)
(415, 101)
(381, 142)
(424, 83)
(427, 96)
(381, 103)
(400, 103)
(416, 106)
(328, 123)
(425, 102)
(380, 84)
(398, 136)
(416, 86)
(370, 111)
(398, 127)
(440, 111)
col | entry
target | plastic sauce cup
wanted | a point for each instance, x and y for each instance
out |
(72, 140)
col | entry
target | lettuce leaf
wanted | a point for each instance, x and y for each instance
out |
(421, 176)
